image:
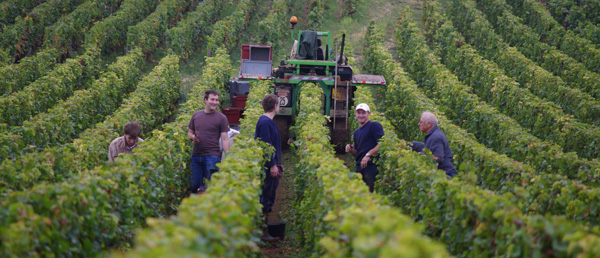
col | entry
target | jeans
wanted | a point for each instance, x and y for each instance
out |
(202, 167)
(269, 188)
(369, 174)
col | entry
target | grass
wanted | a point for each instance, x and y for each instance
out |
(191, 71)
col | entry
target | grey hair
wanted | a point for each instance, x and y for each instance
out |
(429, 117)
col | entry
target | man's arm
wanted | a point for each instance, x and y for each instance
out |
(263, 134)
(192, 135)
(372, 152)
(225, 141)
(350, 148)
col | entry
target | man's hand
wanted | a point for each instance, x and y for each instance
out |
(364, 162)
(349, 147)
(274, 171)
(192, 135)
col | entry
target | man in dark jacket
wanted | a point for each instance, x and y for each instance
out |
(436, 142)
(266, 131)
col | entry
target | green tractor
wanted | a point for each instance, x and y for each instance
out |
(308, 62)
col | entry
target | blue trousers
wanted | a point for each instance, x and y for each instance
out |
(269, 188)
(369, 174)
(202, 167)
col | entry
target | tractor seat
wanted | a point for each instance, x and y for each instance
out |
(308, 46)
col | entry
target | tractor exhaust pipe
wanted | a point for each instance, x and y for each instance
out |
(341, 57)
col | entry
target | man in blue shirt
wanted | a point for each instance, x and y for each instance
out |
(436, 142)
(266, 130)
(366, 145)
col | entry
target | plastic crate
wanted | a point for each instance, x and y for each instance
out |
(233, 115)
(239, 101)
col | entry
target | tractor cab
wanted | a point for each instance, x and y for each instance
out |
(312, 59)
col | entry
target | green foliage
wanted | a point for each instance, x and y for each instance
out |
(11, 144)
(15, 77)
(186, 37)
(149, 105)
(5, 59)
(98, 209)
(471, 221)
(544, 119)
(10, 9)
(223, 221)
(539, 81)
(59, 39)
(82, 110)
(591, 9)
(560, 10)
(539, 19)
(226, 32)
(545, 193)
(590, 31)
(75, 74)
(149, 34)
(337, 215)
(575, 15)
(350, 7)
(273, 30)
(497, 131)
(153, 102)
(27, 33)
(527, 41)
(317, 11)
(110, 34)
(69, 32)
(216, 73)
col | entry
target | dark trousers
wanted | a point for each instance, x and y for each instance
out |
(202, 167)
(369, 174)
(269, 188)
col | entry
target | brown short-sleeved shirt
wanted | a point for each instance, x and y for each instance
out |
(208, 128)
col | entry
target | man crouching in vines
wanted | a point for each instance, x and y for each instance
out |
(266, 130)
(436, 142)
(125, 143)
(366, 139)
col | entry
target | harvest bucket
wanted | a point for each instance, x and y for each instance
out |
(277, 229)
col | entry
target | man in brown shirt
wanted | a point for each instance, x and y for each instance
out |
(125, 143)
(206, 127)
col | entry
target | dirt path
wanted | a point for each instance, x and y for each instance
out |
(283, 212)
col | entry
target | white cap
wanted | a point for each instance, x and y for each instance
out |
(363, 106)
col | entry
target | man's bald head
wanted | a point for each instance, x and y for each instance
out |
(429, 117)
(428, 121)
